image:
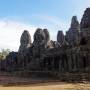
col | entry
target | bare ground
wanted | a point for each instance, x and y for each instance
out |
(49, 86)
(16, 83)
(13, 83)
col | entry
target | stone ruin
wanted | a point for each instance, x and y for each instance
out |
(72, 35)
(60, 37)
(70, 53)
(85, 26)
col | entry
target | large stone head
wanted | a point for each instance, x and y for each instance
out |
(25, 41)
(74, 23)
(25, 38)
(39, 38)
(47, 36)
(60, 37)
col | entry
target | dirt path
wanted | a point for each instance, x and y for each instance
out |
(15, 83)
(49, 86)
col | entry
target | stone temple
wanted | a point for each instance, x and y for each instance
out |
(70, 53)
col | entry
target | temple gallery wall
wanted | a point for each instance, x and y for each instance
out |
(70, 53)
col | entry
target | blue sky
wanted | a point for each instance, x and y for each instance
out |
(29, 7)
(17, 15)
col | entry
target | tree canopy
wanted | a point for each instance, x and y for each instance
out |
(4, 53)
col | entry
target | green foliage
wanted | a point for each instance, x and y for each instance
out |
(4, 53)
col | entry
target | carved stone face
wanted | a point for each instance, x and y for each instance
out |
(39, 38)
(25, 42)
(60, 37)
(47, 36)
(74, 23)
(25, 38)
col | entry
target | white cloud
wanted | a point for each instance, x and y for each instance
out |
(10, 33)
(11, 30)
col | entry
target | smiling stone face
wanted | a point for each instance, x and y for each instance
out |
(25, 41)
(47, 36)
(60, 37)
(39, 38)
(25, 38)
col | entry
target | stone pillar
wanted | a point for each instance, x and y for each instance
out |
(74, 62)
(69, 63)
(52, 63)
(60, 64)
(77, 62)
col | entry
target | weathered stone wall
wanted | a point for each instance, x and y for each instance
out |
(63, 55)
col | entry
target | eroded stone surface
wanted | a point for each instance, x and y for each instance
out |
(47, 36)
(39, 38)
(45, 55)
(85, 21)
(85, 27)
(60, 37)
(72, 35)
(25, 41)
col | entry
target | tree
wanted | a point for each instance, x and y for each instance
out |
(4, 53)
